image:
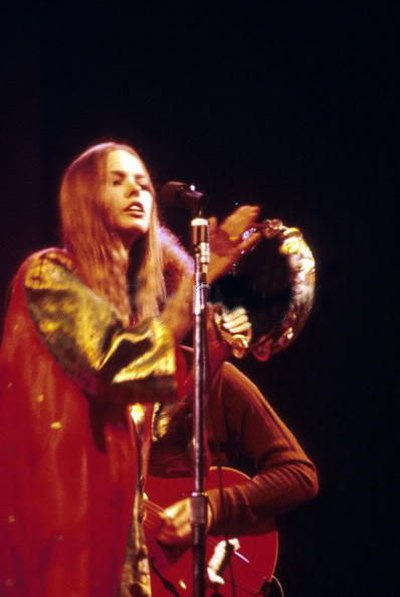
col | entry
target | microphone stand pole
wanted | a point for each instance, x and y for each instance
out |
(199, 227)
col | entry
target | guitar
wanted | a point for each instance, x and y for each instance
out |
(240, 566)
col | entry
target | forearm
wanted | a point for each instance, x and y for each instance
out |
(247, 434)
(248, 508)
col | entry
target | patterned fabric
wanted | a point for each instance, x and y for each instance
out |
(85, 334)
(135, 579)
(69, 458)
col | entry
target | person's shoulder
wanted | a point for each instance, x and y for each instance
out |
(45, 264)
(237, 384)
(235, 376)
(55, 255)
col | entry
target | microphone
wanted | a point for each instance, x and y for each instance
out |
(181, 194)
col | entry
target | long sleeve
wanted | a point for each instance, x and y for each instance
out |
(86, 336)
(246, 433)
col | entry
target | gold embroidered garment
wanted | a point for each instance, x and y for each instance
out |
(70, 455)
(86, 335)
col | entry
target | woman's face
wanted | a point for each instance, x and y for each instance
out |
(127, 194)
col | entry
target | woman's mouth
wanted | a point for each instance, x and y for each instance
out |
(135, 209)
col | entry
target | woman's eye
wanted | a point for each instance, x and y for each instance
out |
(143, 184)
(116, 183)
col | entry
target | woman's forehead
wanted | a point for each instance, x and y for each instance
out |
(120, 160)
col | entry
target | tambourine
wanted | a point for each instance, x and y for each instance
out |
(275, 283)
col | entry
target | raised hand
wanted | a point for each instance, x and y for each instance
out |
(226, 239)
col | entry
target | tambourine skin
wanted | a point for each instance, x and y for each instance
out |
(275, 283)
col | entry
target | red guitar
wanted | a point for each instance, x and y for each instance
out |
(248, 563)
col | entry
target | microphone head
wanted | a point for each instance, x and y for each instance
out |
(180, 194)
(170, 190)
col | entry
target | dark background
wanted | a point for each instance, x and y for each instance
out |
(293, 108)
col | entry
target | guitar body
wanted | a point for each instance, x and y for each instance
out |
(250, 567)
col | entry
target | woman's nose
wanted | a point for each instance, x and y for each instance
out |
(133, 187)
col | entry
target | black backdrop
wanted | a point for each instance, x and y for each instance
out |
(292, 108)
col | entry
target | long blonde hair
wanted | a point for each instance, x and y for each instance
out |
(101, 258)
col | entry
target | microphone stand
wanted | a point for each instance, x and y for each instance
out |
(199, 228)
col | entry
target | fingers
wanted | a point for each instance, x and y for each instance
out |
(235, 321)
(240, 220)
(249, 242)
(235, 330)
(237, 223)
(226, 241)
(176, 528)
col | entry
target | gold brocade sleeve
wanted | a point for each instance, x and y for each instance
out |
(86, 336)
